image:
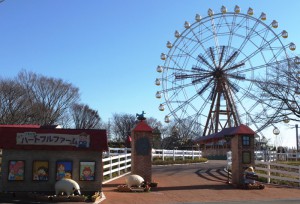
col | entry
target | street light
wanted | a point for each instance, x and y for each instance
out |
(276, 131)
(297, 138)
(286, 119)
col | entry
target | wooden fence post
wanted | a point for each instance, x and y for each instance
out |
(173, 154)
(269, 172)
(119, 173)
(299, 177)
(110, 167)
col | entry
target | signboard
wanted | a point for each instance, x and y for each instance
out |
(33, 138)
(143, 146)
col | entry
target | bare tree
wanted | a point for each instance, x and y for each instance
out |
(48, 98)
(122, 125)
(281, 91)
(84, 117)
(108, 127)
(177, 135)
(13, 103)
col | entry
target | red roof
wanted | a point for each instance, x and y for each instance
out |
(8, 138)
(240, 130)
(142, 126)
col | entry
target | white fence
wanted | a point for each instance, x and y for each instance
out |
(271, 169)
(119, 164)
(117, 161)
(274, 156)
(116, 151)
(161, 153)
(288, 172)
(183, 154)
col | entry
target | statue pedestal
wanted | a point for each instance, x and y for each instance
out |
(141, 151)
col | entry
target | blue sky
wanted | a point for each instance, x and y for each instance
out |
(110, 48)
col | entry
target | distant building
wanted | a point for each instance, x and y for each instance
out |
(217, 145)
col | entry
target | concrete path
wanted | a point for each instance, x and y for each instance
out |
(197, 183)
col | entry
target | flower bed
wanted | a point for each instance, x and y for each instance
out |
(145, 187)
(64, 198)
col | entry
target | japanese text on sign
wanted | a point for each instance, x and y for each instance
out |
(32, 138)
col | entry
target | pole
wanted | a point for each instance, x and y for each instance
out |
(297, 139)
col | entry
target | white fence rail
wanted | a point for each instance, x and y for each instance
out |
(116, 151)
(289, 172)
(271, 169)
(183, 154)
(119, 164)
(274, 156)
(117, 161)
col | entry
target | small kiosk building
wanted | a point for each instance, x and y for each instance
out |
(35, 157)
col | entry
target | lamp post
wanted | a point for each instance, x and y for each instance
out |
(276, 132)
(297, 138)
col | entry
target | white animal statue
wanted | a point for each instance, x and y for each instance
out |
(67, 186)
(134, 180)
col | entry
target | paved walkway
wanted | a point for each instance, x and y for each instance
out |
(197, 183)
(192, 184)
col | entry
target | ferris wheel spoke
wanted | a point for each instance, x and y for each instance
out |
(198, 40)
(259, 49)
(212, 55)
(198, 114)
(215, 34)
(173, 95)
(173, 57)
(235, 67)
(248, 115)
(186, 54)
(232, 31)
(256, 81)
(248, 36)
(221, 56)
(276, 55)
(266, 33)
(175, 63)
(187, 76)
(236, 76)
(202, 59)
(230, 59)
(233, 86)
(198, 69)
(182, 105)
(177, 87)
(179, 69)
(175, 92)
(263, 66)
(230, 25)
(200, 79)
(189, 39)
(205, 86)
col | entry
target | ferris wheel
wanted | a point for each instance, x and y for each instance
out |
(210, 73)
